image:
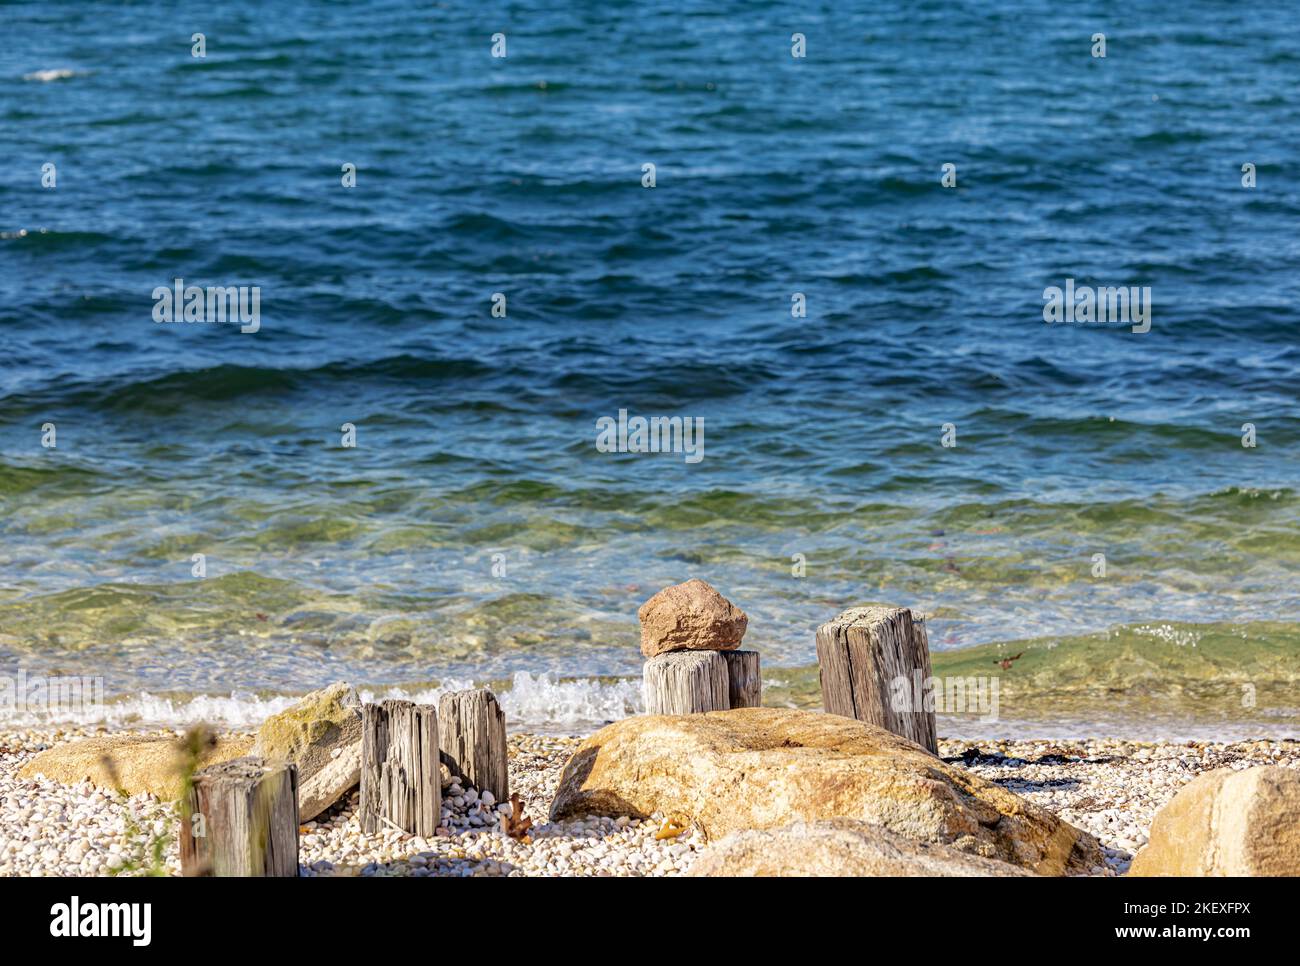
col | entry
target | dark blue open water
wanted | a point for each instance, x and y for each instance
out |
(476, 434)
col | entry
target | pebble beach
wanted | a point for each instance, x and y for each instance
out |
(1110, 788)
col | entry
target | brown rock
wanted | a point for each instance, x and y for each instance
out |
(690, 617)
(757, 768)
(838, 847)
(131, 763)
(1228, 823)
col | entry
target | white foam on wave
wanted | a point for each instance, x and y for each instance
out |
(235, 711)
(569, 703)
(51, 74)
(542, 702)
(532, 702)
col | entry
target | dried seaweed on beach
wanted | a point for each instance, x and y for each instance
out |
(971, 756)
(517, 824)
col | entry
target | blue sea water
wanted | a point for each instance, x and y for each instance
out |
(475, 530)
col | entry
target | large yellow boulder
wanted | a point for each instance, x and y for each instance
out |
(1228, 823)
(758, 768)
(838, 847)
(131, 763)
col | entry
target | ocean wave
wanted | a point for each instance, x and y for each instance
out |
(53, 74)
(154, 391)
(531, 703)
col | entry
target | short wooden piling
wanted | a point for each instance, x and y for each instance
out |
(866, 655)
(400, 785)
(744, 679)
(686, 682)
(472, 739)
(240, 818)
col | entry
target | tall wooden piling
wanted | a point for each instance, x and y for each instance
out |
(868, 654)
(472, 739)
(400, 785)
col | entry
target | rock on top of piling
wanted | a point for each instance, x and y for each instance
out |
(690, 617)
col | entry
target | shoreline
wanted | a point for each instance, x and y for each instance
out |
(545, 703)
(1109, 787)
(1196, 676)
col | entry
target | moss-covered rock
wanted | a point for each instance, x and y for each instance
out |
(321, 734)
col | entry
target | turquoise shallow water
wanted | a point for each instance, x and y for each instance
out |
(475, 531)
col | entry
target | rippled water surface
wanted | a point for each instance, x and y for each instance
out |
(475, 434)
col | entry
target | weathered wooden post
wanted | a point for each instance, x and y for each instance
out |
(400, 785)
(864, 655)
(472, 739)
(744, 679)
(241, 819)
(686, 682)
